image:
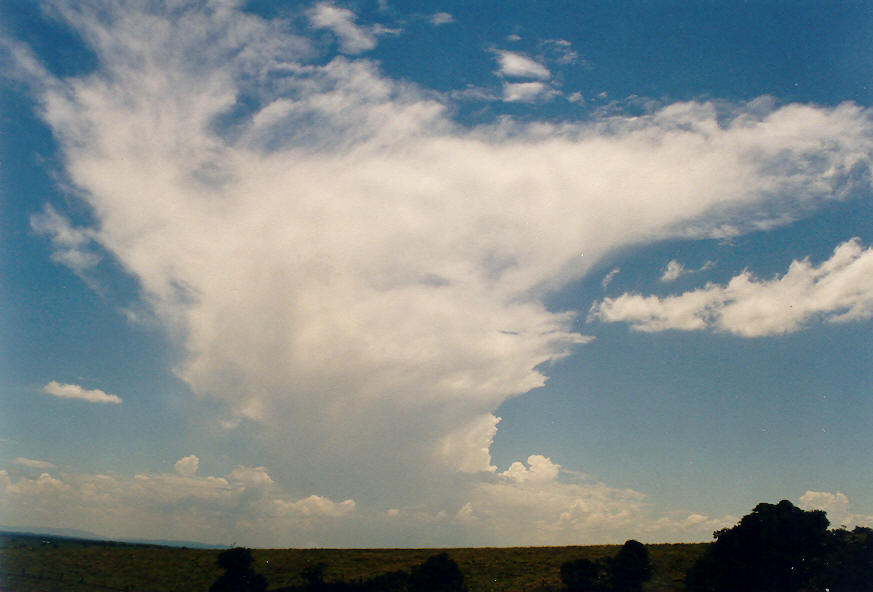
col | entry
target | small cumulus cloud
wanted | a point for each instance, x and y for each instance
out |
(838, 290)
(516, 65)
(576, 97)
(251, 475)
(187, 466)
(674, 270)
(74, 391)
(526, 92)
(836, 506)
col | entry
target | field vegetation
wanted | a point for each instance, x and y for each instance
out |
(38, 563)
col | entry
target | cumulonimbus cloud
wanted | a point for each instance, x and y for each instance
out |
(346, 266)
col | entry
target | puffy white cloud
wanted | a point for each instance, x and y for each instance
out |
(74, 391)
(251, 475)
(316, 505)
(672, 272)
(516, 65)
(539, 468)
(838, 290)
(341, 21)
(468, 449)
(836, 505)
(530, 505)
(187, 466)
(34, 464)
(362, 277)
(246, 505)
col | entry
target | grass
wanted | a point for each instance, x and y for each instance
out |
(47, 564)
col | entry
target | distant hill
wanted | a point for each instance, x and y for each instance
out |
(84, 535)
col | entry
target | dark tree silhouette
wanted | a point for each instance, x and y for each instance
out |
(313, 575)
(238, 575)
(776, 548)
(630, 567)
(439, 573)
(583, 575)
(850, 562)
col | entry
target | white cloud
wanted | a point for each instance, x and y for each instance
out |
(526, 92)
(672, 272)
(187, 466)
(74, 391)
(245, 506)
(341, 21)
(838, 290)
(251, 475)
(441, 18)
(468, 449)
(560, 50)
(363, 278)
(71, 246)
(34, 464)
(516, 65)
(607, 279)
(836, 505)
(315, 505)
(529, 504)
(675, 270)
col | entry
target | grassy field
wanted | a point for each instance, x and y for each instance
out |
(46, 564)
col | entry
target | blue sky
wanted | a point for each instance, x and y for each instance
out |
(363, 274)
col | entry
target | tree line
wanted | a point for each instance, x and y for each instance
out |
(775, 548)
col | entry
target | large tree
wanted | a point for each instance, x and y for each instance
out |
(776, 548)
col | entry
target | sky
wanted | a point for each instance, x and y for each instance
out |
(373, 274)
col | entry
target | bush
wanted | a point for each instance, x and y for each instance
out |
(439, 573)
(630, 568)
(238, 575)
(583, 575)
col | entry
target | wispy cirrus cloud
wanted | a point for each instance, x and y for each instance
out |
(840, 289)
(74, 391)
(441, 18)
(72, 247)
(34, 464)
